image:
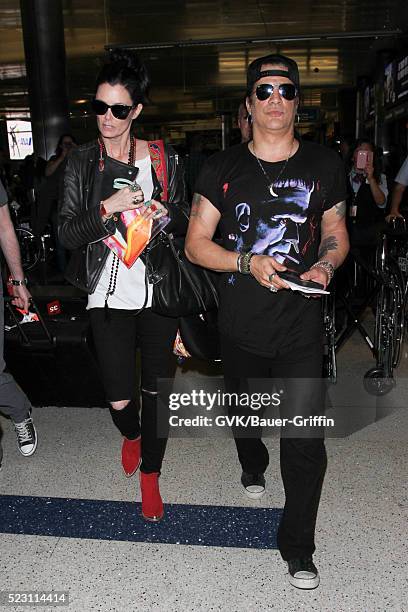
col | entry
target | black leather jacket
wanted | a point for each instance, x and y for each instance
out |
(80, 225)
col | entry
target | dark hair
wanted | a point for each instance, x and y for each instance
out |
(60, 141)
(125, 68)
(376, 156)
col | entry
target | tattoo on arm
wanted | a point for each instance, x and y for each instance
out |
(328, 244)
(340, 209)
(195, 205)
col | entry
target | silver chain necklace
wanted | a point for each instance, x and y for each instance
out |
(268, 178)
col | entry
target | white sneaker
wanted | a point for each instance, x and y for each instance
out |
(254, 484)
(26, 436)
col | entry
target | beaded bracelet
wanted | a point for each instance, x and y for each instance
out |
(18, 283)
(325, 265)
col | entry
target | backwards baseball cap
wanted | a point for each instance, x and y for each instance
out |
(254, 72)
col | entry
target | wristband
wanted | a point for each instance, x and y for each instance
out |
(244, 263)
(18, 283)
(325, 265)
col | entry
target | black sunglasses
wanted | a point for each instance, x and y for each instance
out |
(286, 90)
(120, 111)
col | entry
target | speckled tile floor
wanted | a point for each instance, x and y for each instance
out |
(361, 532)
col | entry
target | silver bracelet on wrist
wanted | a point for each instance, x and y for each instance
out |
(244, 262)
(325, 265)
(18, 283)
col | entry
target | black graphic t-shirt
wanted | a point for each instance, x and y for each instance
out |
(285, 225)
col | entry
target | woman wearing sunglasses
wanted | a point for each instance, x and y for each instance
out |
(119, 298)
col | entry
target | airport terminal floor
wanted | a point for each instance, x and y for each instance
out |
(70, 520)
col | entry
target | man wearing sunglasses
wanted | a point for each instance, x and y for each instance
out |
(279, 203)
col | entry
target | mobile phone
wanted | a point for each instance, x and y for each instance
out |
(295, 278)
(363, 158)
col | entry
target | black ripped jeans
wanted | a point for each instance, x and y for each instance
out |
(117, 336)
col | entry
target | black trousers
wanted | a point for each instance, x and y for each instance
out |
(117, 335)
(303, 460)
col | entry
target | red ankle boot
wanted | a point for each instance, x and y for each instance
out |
(131, 455)
(152, 504)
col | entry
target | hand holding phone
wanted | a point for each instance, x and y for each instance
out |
(295, 283)
(363, 159)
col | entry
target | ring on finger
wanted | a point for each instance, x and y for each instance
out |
(153, 207)
(273, 289)
(134, 186)
(271, 276)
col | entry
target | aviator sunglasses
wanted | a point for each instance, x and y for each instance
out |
(120, 111)
(286, 90)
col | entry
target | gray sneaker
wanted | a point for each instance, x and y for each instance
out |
(254, 484)
(303, 573)
(26, 436)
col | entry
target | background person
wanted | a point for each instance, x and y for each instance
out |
(243, 121)
(367, 199)
(13, 402)
(400, 185)
(49, 194)
(194, 160)
(55, 165)
(128, 322)
(280, 205)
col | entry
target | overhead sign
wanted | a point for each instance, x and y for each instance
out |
(20, 139)
(402, 78)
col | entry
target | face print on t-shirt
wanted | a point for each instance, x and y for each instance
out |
(272, 226)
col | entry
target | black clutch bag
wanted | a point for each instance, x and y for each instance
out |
(113, 170)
